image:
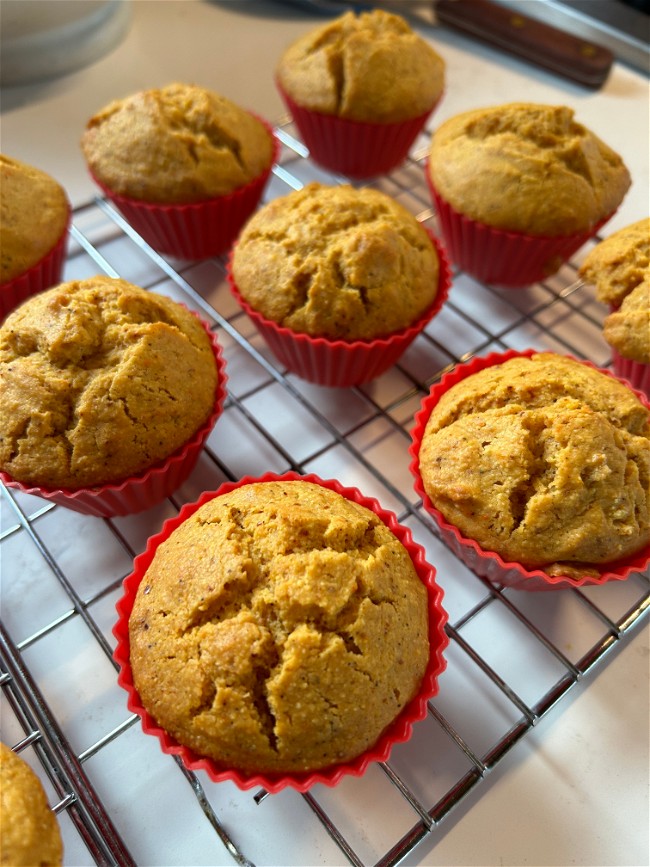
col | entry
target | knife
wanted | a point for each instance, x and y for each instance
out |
(579, 60)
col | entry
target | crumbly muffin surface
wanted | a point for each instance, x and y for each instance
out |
(280, 628)
(619, 268)
(627, 329)
(30, 832)
(100, 379)
(617, 265)
(526, 168)
(33, 216)
(545, 461)
(370, 67)
(177, 144)
(338, 262)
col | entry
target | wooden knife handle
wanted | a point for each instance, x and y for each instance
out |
(574, 58)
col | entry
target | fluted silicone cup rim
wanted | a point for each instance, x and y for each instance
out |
(397, 732)
(490, 563)
(355, 148)
(502, 257)
(114, 498)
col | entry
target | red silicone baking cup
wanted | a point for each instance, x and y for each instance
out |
(637, 373)
(198, 230)
(508, 259)
(398, 732)
(357, 149)
(44, 274)
(145, 489)
(343, 363)
(488, 564)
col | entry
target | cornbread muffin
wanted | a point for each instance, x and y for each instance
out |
(34, 212)
(544, 460)
(620, 263)
(280, 628)
(100, 380)
(337, 262)
(371, 67)
(177, 144)
(526, 168)
(30, 832)
(619, 267)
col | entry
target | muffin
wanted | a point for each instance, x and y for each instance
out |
(281, 631)
(108, 394)
(338, 280)
(34, 219)
(30, 832)
(619, 268)
(186, 166)
(360, 89)
(537, 464)
(519, 188)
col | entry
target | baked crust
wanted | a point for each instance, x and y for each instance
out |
(100, 379)
(371, 67)
(175, 145)
(30, 832)
(544, 460)
(281, 627)
(337, 262)
(34, 213)
(526, 168)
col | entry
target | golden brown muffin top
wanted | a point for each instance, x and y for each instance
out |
(281, 627)
(627, 329)
(34, 213)
(338, 262)
(177, 144)
(370, 67)
(30, 832)
(100, 380)
(620, 263)
(526, 168)
(544, 460)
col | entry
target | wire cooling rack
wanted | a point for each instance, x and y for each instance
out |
(512, 655)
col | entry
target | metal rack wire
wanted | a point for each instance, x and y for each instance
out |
(117, 798)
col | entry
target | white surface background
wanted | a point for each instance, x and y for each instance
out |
(576, 790)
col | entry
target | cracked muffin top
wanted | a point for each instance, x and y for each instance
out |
(175, 145)
(34, 212)
(100, 380)
(526, 168)
(619, 268)
(281, 627)
(30, 832)
(544, 460)
(371, 67)
(337, 262)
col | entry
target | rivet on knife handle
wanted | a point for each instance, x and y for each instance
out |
(561, 52)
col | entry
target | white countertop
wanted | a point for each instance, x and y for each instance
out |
(575, 791)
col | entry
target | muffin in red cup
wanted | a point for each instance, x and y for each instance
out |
(519, 188)
(339, 281)
(619, 268)
(360, 89)
(184, 165)
(536, 468)
(108, 412)
(34, 220)
(309, 646)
